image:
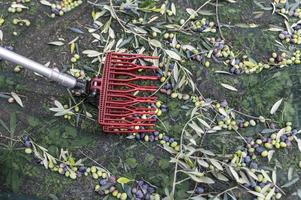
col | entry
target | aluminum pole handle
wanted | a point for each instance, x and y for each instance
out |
(63, 79)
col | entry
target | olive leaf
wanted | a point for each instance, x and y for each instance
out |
(216, 164)
(229, 87)
(46, 3)
(91, 53)
(155, 43)
(173, 54)
(191, 12)
(257, 194)
(123, 180)
(1, 35)
(234, 174)
(173, 9)
(276, 106)
(17, 98)
(56, 43)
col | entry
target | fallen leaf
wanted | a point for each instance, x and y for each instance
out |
(276, 106)
(229, 87)
(17, 98)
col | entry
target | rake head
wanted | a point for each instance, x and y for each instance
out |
(125, 105)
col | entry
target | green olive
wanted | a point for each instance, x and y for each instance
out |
(28, 150)
(182, 21)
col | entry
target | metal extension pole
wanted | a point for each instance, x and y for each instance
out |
(63, 79)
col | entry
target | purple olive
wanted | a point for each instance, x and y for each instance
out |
(139, 194)
(253, 165)
(147, 196)
(151, 189)
(151, 138)
(224, 103)
(112, 179)
(166, 138)
(294, 131)
(247, 159)
(144, 187)
(253, 184)
(156, 133)
(103, 181)
(137, 136)
(199, 190)
(260, 149)
(82, 169)
(283, 138)
(134, 190)
(171, 140)
(27, 143)
(164, 110)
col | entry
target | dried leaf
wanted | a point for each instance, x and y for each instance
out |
(276, 106)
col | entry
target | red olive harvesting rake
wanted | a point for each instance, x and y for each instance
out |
(124, 104)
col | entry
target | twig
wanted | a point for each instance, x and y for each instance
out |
(217, 20)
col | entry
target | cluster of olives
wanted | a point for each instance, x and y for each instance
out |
(157, 136)
(21, 22)
(141, 190)
(295, 13)
(106, 183)
(203, 25)
(17, 6)
(75, 58)
(64, 6)
(260, 147)
(294, 37)
(160, 108)
(68, 116)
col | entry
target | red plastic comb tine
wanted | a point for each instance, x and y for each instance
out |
(133, 87)
(128, 66)
(134, 76)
